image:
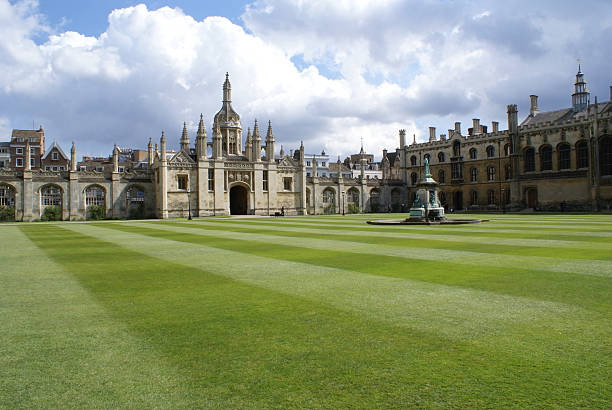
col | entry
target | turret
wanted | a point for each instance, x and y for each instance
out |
(115, 159)
(201, 139)
(302, 153)
(185, 139)
(533, 105)
(162, 143)
(282, 152)
(228, 122)
(256, 143)
(269, 143)
(402, 138)
(73, 163)
(248, 145)
(580, 97)
(150, 147)
(217, 142)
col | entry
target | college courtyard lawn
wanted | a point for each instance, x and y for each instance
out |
(322, 311)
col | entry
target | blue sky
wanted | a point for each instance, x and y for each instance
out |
(326, 72)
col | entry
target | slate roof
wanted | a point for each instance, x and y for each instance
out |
(564, 114)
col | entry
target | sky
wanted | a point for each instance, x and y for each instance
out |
(329, 73)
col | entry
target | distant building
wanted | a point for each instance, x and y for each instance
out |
(54, 159)
(36, 141)
(5, 154)
(316, 164)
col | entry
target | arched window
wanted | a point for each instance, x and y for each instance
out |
(507, 149)
(440, 157)
(456, 149)
(474, 198)
(582, 154)
(473, 153)
(413, 178)
(474, 174)
(441, 176)
(490, 151)
(329, 196)
(51, 195)
(95, 195)
(529, 160)
(413, 160)
(491, 197)
(353, 196)
(7, 195)
(546, 158)
(564, 151)
(491, 174)
(605, 155)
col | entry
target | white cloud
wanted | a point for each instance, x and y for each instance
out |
(368, 69)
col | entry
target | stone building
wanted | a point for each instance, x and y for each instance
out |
(557, 160)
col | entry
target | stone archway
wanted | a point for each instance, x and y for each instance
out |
(458, 200)
(532, 198)
(238, 200)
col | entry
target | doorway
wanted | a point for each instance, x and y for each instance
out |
(458, 200)
(532, 198)
(238, 200)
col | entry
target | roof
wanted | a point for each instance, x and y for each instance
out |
(54, 145)
(564, 114)
(27, 133)
(392, 156)
(333, 167)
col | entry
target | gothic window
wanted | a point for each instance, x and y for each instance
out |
(413, 161)
(95, 195)
(441, 176)
(582, 154)
(265, 181)
(329, 196)
(182, 181)
(473, 153)
(490, 151)
(211, 179)
(564, 151)
(51, 196)
(440, 157)
(491, 197)
(353, 196)
(456, 170)
(135, 195)
(474, 198)
(287, 183)
(546, 158)
(491, 174)
(456, 149)
(474, 174)
(413, 178)
(7, 196)
(605, 156)
(529, 160)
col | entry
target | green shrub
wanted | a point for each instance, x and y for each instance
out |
(96, 212)
(51, 213)
(7, 213)
(353, 208)
(330, 209)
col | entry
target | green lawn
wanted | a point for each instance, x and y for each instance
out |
(322, 311)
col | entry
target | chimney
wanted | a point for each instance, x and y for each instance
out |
(475, 126)
(512, 119)
(458, 128)
(533, 107)
(494, 126)
(450, 133)
(432, 134)
(442, 137)
(384, 152)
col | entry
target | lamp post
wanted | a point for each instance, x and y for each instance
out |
(343, 201)
(503, 199)
(499, 172)
(189, 205)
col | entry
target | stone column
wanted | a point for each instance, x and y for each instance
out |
(27, 196)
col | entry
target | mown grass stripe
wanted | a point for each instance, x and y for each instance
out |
(59, 347)
(585, 267)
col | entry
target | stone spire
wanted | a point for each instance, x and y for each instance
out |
(269, 143)
(115, 159)
(162, 143)
(150, 147)
(201, 139)
(73, 163)
(302, 156)
(256, 143)
(282, 152)
(227, 89)
(228, 122)
(185, 139)
(248, 146)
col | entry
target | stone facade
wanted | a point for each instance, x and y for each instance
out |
(558, 160)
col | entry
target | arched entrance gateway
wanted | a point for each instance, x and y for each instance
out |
(238, 200)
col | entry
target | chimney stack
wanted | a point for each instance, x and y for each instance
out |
(458, 128)
(432, 134)
(533, 107)
(494, 126)
(512, 119)
(475, 126)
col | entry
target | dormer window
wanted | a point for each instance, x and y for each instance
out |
(54, 156)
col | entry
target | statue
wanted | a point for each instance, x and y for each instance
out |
(427, 173)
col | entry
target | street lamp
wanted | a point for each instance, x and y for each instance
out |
(343, 201)
(189, 205)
